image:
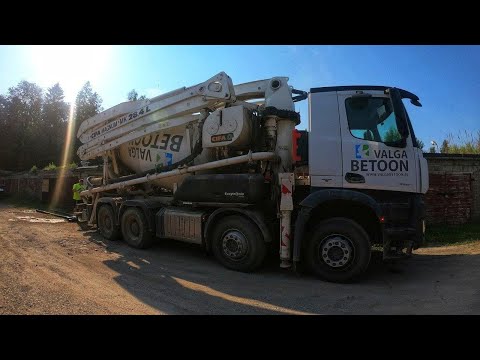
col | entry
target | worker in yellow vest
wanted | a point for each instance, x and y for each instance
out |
(77, 189)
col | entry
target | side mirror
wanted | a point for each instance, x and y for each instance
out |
(416, 102)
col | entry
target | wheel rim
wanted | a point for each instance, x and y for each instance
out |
(133, 228)
(234, 245)
(106, 223)
(336, 251)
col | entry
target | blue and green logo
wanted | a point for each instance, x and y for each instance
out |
(361, 149)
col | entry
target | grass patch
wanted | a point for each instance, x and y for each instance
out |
(452, 234)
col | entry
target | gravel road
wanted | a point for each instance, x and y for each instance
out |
(50, 266)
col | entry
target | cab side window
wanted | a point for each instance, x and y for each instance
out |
(372, 118)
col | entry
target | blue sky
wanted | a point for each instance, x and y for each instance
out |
(446, 78)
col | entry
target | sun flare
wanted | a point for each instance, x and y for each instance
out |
(70, 65)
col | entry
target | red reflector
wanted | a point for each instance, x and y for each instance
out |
(295, 136)
(382, 219)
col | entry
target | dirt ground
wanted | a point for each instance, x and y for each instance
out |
(50, 266)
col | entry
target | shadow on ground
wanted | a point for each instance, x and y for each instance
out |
(178, 278)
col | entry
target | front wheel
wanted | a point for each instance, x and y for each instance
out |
(338, 250)
(238, 244)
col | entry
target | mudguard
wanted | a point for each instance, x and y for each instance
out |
(316, 199)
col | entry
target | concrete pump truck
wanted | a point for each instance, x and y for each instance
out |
(222, 166)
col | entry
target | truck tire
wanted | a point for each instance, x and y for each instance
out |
(106, 223)
(135, 229)
(338, 250)
(238, 244)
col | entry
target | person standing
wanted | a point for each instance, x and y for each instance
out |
(77, 188)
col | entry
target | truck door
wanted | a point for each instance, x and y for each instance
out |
(377, 148)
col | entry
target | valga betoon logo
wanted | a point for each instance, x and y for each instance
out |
(365, 149)
(383, 160)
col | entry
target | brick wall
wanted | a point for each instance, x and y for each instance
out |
(454, 193)
(27, 185)
(42, 187)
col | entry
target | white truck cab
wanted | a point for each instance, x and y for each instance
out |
(368, 145)
(364, 165)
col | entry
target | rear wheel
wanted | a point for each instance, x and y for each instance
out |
(338, 250)
(106, 223)
(135, 229)
(238, 244)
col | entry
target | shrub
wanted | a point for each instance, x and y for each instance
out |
(50, 167)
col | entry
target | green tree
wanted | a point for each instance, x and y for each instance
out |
(420, 144)
(3, 111)
(133, 96)
(33, 124)
(4, 125)
(55, 121)
(444, 148)
(392, 135)
(24, 104)
(87, 104)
